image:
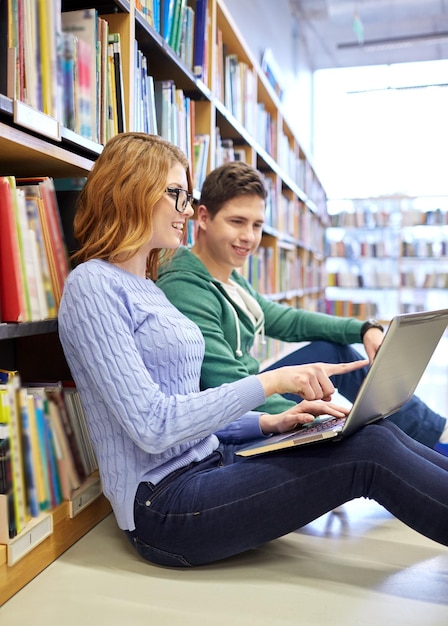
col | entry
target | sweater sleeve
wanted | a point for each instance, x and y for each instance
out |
(245, 428)
(290, 324)
(98, 335)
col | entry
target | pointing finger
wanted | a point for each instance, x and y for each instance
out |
(343, 368)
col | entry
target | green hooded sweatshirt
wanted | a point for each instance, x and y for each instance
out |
(229, 332)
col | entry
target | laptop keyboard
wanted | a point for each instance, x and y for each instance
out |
(322, 425)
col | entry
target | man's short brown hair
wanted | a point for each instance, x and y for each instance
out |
(229, 181)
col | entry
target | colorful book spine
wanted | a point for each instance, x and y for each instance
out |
(168, 7)
(83, 23)
(199, 38)
(42, 496)
(11, 416)
(6, 487)
(28, 458)
(51, 448)
(22, 243)
(46, 497)
(115, 42)
(12, 288)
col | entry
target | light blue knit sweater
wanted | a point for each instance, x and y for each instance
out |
(136, 362)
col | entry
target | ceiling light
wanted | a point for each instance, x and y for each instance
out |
(373, 45)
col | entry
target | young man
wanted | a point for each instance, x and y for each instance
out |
(203, 283)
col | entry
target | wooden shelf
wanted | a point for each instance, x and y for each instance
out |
(22, 152)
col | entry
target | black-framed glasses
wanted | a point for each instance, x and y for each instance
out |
(182, 198)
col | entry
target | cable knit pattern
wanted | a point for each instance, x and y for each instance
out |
(136, 362)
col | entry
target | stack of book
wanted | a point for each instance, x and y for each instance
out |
(33, 256)
(67, 65)
(45, 450)
(183, 25)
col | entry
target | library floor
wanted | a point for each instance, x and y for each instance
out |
(357, 566)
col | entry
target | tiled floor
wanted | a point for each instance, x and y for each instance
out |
(354, 567)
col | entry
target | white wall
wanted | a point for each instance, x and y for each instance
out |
(382, 130)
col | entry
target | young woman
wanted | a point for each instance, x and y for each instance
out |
(178, 491)
(233, 315)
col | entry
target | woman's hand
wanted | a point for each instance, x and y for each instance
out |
(311, 382)
(303, 413)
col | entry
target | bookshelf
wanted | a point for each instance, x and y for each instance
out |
(241, 112)
(290, 264)
(387, 255)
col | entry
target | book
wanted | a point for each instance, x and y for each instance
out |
(32, 275)
(230, 82)
(53, 461)
(32, 201)
(26, 268)
(68, 474)
(83, 23)
(145, 111)
(52, 231)
(152, 116)
(49, 449)
(168, 7)
(200, 26)
(82, 88)
(219, 73)
(45, 495)
(29, 71)
(112, 114)
(56, 235)
(55, 395)
(41, 490)
(3, 47)
(12, 289)
(200, 156)
(28, 457)
(68, 47)
(156, 15)
(78, 422)
(176, 29)
(186, 37)
(11, 416)
(64, 485)
(115, 43)
(48, 446)
(46, 59)
(6, 488)
(145, 7)
(164, 102)
(103, 33)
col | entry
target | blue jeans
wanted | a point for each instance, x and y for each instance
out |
(226, 504)
(415, 418)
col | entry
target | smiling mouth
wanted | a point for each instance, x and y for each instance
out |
(241, 251)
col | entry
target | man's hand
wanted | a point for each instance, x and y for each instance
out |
(373, 338)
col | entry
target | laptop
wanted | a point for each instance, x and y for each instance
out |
(399, 364)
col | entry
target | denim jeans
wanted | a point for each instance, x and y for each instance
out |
(226, 504)
(415, 418)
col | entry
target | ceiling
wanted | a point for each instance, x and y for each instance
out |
(349, 33)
